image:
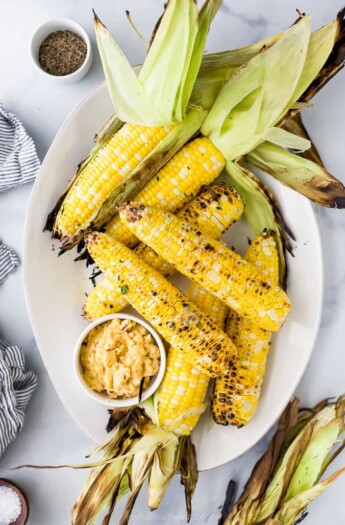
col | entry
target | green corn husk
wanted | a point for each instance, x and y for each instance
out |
(137, 449)
(324, 57)
(159, 95)
(126, 462)
(216, 69)
(252, 101)
(261, 210)
(287, 478)
(165, 464)
(303, 175)
(332, 66)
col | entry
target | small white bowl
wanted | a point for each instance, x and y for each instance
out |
(102, 397)
(58, 24)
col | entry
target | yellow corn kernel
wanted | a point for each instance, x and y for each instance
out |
(116, 159)
(210, 263)
(235, 399)
(197, 163)
(184, 387)
(182, 324)
(213, 210)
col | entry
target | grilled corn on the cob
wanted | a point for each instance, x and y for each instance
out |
(214, 266)
(213, 211)
(197, 163)
(118, 157)
(182, 394)
(181, 323)
(235, 399)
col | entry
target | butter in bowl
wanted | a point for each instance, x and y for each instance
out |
(119, 360)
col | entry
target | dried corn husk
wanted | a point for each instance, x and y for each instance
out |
(287, 478)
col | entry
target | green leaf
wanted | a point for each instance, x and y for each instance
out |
(260, 210)
(267, 81)
(131, 101)
(165, 466)
(303, 175)
(285, 139)
(282, 476)
(308, 470)
(235, 58)
(320, 46)
(291, 510)
(206, 15)
(161, 93)
(166, 64)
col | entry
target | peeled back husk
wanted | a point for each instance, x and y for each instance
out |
(261, 210)
(300, 174)
(159, 95)
(253, 99)
(287, 478)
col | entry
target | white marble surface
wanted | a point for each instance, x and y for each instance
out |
(49, 435)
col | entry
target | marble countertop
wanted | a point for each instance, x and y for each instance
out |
(49, 435)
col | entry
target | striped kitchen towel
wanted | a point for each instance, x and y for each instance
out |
(18, 164)
(16, 383)
(18, 158)
(8, 261)
(16, 388)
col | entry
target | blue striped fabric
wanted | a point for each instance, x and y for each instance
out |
(16, 388)
(18, 158)
(18, 164)
(8, 261)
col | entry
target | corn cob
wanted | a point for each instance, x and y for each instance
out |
(197, 163)
(207, 261)
(235, 400)
(118, 157)
(184, 387)
(213, 210)
(181, 323)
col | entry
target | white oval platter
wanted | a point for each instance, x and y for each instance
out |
(56, 286)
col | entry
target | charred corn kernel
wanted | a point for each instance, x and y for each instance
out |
(213, 210)
(184, 388)
(182, 324)
(197, 163)
(116, 159)
(235, 399)
(210, 263)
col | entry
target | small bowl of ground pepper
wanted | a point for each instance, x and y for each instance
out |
(61, 49)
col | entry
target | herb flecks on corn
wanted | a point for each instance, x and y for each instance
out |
(182, 324)
(210, 263)
(197, 163)
(213, 211)
(235, 400)
(116, 159)
(184, 387)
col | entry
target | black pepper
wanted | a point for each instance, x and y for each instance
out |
(62, 53)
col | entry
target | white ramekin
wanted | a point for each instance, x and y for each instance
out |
(102, 397)
(58, 24)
